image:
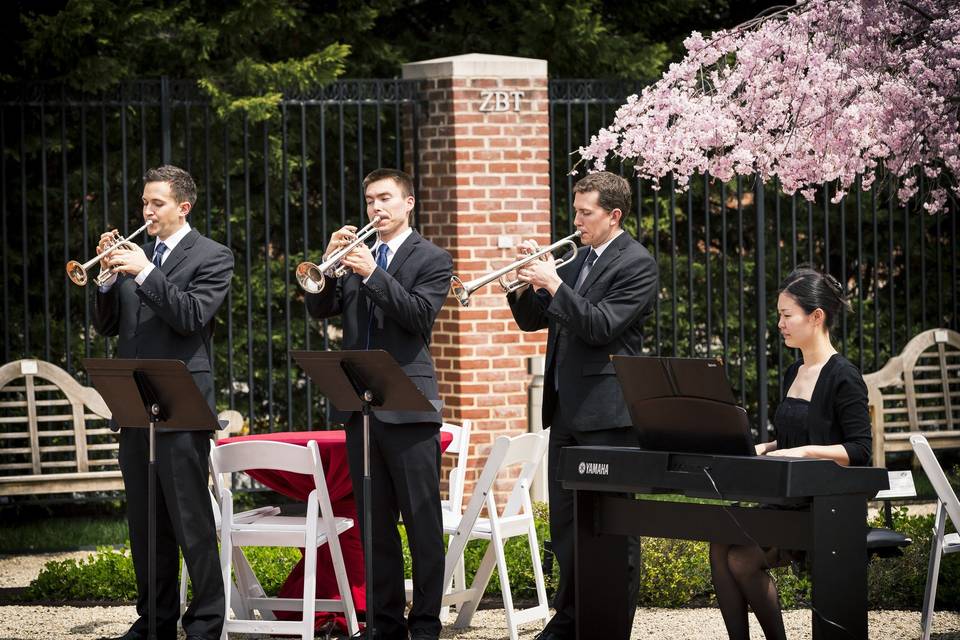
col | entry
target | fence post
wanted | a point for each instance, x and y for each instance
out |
(165, 146)
(761, 314)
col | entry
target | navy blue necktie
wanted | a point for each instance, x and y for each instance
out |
(158, 252)
(381, 264)
(585, 271)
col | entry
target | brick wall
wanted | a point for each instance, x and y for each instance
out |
(484, 187)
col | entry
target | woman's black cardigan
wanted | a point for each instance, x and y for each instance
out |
(838, 411)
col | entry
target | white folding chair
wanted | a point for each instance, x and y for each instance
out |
(319, 527)
(452, 508)
(232, 423)
(947, 507)
(515, 519)
(460, 446)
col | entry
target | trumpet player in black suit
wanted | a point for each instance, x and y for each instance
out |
(593, 306)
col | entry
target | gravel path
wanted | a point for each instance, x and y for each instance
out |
(88, 623)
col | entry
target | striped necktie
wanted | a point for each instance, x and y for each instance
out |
(158, 252)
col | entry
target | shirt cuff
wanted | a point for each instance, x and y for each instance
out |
(142, 276)
(367, 279)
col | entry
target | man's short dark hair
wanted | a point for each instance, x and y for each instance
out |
(403, 180)
(613, 191)
(182, 186)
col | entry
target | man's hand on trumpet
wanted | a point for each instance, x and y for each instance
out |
(106, 239)
(360, 261)
(542, 273)
(129, 259)
(339, 239)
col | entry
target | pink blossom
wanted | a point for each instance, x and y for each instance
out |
(828, 90)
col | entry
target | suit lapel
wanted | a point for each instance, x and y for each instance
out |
(403, 253)
(179, 252)
(606, 259)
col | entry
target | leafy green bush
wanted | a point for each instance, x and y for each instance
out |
(105, 575)
(673, 572)
(898, 583)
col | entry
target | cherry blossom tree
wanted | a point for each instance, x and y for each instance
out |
(827, 90)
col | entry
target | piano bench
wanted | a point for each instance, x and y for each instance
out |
(886, 543)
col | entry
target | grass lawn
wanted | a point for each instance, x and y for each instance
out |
(61, 533)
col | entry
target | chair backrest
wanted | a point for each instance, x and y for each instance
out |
(938, 478)
(460, 446)
(526, 450)
(913, 392)
(50, 423)
(263, 454)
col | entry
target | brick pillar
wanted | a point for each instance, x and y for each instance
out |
(484, 144)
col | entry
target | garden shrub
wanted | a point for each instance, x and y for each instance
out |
(674, 573)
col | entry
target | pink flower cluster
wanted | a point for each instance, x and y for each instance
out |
(825, 90)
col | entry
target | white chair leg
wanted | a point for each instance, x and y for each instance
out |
(309, 586)
(481, 579)
(538, 570)
(225, 562)
(505, 592)
(933, 572)
(183, 587)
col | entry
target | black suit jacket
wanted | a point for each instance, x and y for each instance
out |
(171, 314)
(405, 300)
(585, 330)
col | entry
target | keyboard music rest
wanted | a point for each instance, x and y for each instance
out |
(830, 522)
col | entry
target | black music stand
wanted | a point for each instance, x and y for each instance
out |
(169, 401)
(357, 381)
(683, 404)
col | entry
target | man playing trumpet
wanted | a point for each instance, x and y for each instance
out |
(388, 300)
(161, 301)
(593, 306)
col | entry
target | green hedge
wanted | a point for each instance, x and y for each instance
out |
(674, 573)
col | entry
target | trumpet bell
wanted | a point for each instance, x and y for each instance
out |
(310, 278)
(76, 273)
(459, 291)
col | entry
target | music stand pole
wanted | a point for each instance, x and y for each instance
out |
(154, 413)
(368, 517)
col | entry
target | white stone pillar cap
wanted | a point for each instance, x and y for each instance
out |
(475, 65)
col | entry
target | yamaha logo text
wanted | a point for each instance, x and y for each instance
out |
(594, 469)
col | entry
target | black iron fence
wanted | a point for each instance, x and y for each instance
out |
(272, 191)
(723, 249)
(71, 168)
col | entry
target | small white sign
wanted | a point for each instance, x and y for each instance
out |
(505, 242)
(901, 486)
(940, 335)
(28, 367)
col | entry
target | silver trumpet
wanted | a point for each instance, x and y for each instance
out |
(463, 290)
(78, 272)
(310, 275)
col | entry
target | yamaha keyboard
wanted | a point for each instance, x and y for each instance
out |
(827, 518)
(754, 478)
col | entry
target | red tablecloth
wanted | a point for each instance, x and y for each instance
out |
(333, 453)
